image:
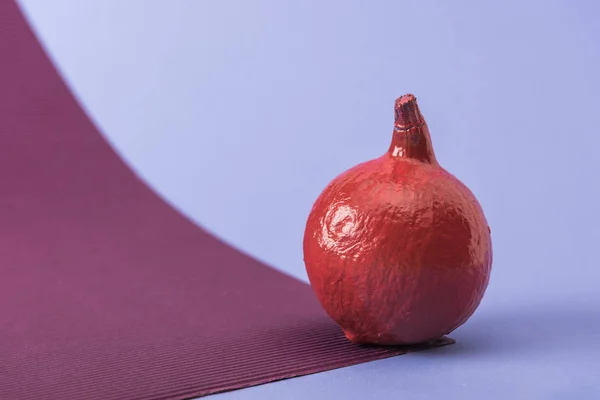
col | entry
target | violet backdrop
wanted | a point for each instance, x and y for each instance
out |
(240, 112)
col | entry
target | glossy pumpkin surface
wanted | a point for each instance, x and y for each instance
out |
(398, 250)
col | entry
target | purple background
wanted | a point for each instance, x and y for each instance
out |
(240, 112)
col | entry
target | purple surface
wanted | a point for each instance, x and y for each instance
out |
(159, 79)
(106, 292)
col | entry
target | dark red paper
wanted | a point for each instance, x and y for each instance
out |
(106, 292)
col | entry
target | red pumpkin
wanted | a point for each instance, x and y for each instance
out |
(397, 250)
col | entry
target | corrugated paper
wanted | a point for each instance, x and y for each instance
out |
(106, 292)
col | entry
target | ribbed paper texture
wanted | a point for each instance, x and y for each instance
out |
(106, 292)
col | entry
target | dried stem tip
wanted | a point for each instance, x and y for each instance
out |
(407, 113)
